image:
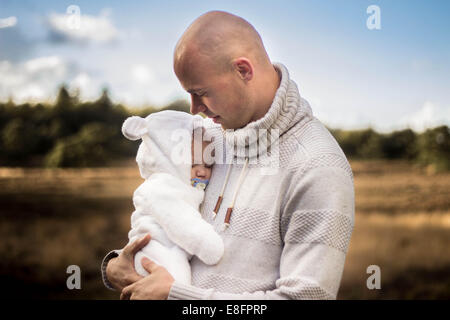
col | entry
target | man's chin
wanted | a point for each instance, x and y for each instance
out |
(225, 126)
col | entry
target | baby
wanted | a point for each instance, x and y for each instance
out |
(167, 203)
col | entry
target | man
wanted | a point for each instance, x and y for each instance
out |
(289, 232)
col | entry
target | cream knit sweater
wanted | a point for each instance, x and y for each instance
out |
(289, 232)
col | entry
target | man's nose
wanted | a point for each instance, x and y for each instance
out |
(196, 104)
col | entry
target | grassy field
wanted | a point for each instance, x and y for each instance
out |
(51, 219)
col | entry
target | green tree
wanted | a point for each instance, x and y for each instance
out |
(361, 144)
(400, 145)
(434, 148)
(86, 148)
(19, 139)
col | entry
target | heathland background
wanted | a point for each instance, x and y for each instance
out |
(67, 176)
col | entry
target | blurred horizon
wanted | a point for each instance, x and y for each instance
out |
(389, 79)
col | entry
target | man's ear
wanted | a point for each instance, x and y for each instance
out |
(244, 67)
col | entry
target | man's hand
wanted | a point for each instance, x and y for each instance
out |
(120, 270)
(155, 286)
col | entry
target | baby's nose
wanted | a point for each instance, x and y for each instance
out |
(200, 172)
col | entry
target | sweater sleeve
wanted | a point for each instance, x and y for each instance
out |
(112, 254)
(316, 224)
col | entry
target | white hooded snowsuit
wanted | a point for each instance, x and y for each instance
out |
(166, 205)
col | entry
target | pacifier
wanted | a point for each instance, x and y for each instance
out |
(199, 183)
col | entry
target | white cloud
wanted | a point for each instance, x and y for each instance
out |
(429, 116)
(33, 80)
(8, 22)
(38, 79)
(52, 64)
(82, 81)
(140, 84)
(86, 86)
(142, 74)
(96, 29)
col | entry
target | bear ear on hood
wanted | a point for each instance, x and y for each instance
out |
(134, 128)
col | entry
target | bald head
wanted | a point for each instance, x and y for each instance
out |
(221, 61)
(219, 37)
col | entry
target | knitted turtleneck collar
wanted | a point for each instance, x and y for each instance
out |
(287, 109)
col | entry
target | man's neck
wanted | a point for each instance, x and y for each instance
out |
(266, 99)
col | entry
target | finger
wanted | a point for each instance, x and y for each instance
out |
(137, 245)
(148, 265)
(126, 292)
(134, 277)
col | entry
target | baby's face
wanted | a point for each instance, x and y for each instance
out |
(201, 170)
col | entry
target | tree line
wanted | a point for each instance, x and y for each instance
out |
(430, 148)
(70, 133)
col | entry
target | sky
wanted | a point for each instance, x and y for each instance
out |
(391, 77)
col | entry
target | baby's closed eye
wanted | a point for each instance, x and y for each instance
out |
(209, 166)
